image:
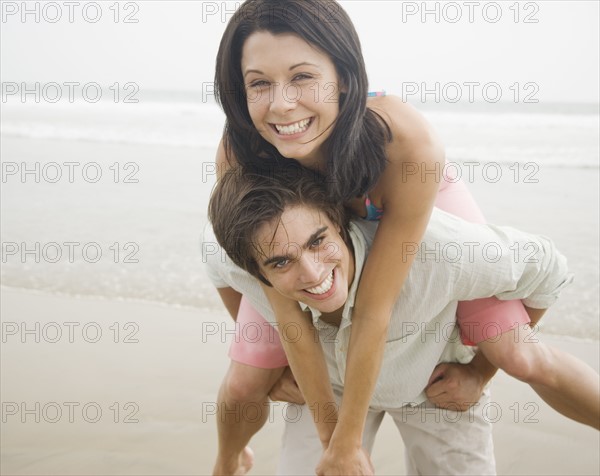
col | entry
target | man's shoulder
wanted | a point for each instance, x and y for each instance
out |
(443, 227)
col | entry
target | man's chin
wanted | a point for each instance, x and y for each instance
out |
(329, 306)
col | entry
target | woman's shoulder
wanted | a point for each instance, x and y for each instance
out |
(403, 119)
(411, 132)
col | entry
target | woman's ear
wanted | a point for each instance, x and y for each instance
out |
(342, 85)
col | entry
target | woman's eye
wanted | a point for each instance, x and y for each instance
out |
(317, 242)
(301, 76)
(259, 84)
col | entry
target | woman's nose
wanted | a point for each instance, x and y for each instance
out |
(284, 98)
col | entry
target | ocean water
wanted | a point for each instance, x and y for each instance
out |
(563, 136)
(109, 200)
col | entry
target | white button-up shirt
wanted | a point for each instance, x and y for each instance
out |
(455, 261)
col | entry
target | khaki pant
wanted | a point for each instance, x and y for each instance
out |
(437, 441)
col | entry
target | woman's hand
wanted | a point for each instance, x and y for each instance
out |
(337, 462)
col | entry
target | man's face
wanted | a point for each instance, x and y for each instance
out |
(305, 258)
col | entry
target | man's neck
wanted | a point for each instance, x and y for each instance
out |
(334, 318)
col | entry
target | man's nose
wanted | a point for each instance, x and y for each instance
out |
(311, 269)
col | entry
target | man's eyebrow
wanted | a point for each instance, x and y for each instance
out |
(257, 71)
(313, 237)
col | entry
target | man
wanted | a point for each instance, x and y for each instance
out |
(282, 230)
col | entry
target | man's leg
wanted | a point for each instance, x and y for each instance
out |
(445, 442)
(301, 447)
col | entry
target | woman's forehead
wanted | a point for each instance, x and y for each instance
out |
(264, 46)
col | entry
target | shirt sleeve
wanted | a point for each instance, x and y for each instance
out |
(211, 254)
(510, 264)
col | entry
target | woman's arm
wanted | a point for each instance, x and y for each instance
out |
(306, 359)
(304, 354)
(407, 192)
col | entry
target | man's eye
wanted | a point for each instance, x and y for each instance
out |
(281, 263)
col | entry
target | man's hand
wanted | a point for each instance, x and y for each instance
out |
(286, 389)
(455, 386)
(336, 463)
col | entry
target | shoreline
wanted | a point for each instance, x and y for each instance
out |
(208, 308)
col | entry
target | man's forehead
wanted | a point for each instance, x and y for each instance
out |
(295, 225)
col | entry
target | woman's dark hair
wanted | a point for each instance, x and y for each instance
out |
(242, 202)
(355, 150)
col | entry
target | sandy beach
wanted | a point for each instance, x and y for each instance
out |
(146, 407)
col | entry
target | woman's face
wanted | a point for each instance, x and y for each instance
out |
(293, 94)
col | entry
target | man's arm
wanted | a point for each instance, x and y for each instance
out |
(509, 264)
(231, 299)
(459, 386)
(527, 267)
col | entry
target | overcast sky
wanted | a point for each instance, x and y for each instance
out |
(552, 46)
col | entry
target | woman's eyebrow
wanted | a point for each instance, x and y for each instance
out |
(304, 63)
(252, 71)
(257, 71)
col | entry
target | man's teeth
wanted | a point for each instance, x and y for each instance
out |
(323, 287)
(300, 126)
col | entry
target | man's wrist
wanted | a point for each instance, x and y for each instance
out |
(482, 369)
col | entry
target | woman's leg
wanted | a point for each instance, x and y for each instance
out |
(566, 383)
(257, 362)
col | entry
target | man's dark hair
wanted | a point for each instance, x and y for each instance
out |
(242, 202)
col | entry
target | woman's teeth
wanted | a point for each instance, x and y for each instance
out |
(300, 126)
(323, 287)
